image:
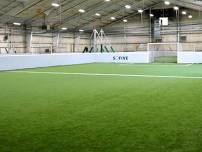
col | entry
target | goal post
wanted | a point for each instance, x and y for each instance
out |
(163, 52)
(43, 42)
(40, 43)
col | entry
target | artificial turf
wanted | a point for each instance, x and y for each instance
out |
(77, 113)
(170, 59)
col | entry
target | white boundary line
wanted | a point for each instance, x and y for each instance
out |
(188, 65)
(103, 74)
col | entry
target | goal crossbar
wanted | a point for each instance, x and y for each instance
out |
(163, 52)
(178, 45)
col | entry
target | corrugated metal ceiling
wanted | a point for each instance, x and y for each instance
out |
(39, 12)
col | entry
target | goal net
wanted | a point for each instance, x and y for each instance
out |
(48, 42)
(163, 52)
(40, 42)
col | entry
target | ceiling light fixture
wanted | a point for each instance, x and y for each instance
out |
(140, 11)
(55, 3)
(127, 6)
(82, 11)
(112, 18)
(190, 16)
(125, 20)
(151, 15)
(167, 3)
(184, 13)
(176, 8)
(16, 23)
(63, 28)
(97, 14)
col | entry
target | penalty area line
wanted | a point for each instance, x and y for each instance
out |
(105, 74)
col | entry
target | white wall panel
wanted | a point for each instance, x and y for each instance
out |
(122, 57)
(12, 62)
(189, 57)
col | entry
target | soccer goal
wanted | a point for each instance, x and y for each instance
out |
(41, 42)
(163, 52)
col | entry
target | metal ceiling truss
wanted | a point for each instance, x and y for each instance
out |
(36, 12)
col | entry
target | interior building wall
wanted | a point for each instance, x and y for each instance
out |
(124, 37)
(137, 33)
(131, 36)
(15, 41)
(19, 42)
(57, 43)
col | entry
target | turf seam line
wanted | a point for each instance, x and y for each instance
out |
(105, 74)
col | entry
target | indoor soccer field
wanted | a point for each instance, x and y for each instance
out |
(102, 108)
(100, 75)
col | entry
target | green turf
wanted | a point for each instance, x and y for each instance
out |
(167, 59)
(72, 113)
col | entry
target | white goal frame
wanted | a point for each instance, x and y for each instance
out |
(151, 53)
(32, 46)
